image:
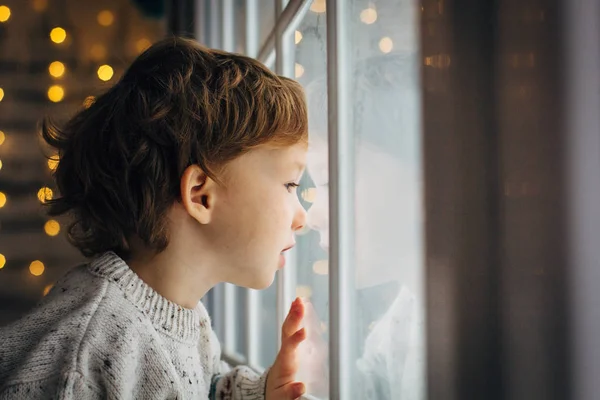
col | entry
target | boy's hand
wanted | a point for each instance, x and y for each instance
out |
(280, 381)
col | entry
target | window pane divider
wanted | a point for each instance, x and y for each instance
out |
(341, 144)
(288, 19)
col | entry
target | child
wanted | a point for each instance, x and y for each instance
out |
(181, 176)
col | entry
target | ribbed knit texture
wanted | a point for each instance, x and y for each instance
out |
(102, 332)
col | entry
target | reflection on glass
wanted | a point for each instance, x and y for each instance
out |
(388, 234)
(312, 272)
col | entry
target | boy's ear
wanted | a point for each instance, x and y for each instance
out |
(198, 193)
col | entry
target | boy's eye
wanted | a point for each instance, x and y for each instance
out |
(291, 186)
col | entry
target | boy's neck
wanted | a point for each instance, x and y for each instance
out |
(171, 273)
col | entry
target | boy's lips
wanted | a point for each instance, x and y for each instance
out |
(288, 248)
(282, 256)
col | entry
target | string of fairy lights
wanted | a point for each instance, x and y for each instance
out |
(56, 93)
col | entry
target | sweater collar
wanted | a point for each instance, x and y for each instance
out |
(174, 320)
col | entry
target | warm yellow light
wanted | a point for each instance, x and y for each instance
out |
(142, 44)
(321, 267)
(2, 261)
(105, 72)
(4, 13)
(53, 163)
(56, 93)
(318, 6)
(44, 194)
(106, 18)
(52, 227)
(36, 268)
(47, 289)
(2, 199)
(56, 69)
(1, 94)
(304, 291)
(98, 52)
(298, 70)
(0, 164)
(2, 138)
(368, 15)
(386, 45)
(58, 35)
(88, 101)
(298, 37)
(309, 195)
(40, 5)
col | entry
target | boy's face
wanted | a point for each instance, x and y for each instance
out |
(258, 212)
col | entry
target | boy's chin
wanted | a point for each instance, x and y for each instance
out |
(262, 285)
(260, 281)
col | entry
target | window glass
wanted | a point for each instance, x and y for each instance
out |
(385, 112)
(311, 259)
(312, 242)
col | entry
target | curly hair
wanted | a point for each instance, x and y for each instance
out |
(178, 104)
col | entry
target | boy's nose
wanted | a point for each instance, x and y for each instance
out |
(299, 219)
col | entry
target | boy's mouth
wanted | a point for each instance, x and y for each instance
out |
(288, 248)
(282, 256)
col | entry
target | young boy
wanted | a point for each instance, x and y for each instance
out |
(181, 176)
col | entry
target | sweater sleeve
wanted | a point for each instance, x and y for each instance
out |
(70, 386)
(240, 383)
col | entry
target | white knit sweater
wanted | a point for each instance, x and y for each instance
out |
(102, 332)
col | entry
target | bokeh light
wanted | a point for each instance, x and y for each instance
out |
(368, 16)
(53, 163)
(4, 13)
(56, 93)
(106, 18)
(56, 69)
(105, 72)
(58, 35)
(44, 194)
(386, 45)
(36, 268)
(52, 227)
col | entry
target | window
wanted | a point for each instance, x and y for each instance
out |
(374, 312)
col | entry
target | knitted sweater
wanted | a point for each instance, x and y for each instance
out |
(102, 332)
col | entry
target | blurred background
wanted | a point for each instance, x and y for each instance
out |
(55, 56)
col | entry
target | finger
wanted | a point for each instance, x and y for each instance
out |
(286, 363)
(289, 345)
(291, 391)
(294, 319)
